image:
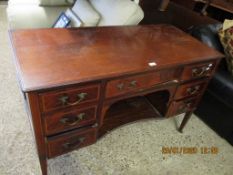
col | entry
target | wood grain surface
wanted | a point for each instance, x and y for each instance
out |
(47, 58)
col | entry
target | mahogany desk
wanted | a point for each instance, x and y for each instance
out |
(80, 83)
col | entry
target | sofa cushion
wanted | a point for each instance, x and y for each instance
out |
(56, 2)
(226, 38)
(42, 2)
(86, 12)
(118, 12)
(40, 17)
(23, 2)
(208, 34)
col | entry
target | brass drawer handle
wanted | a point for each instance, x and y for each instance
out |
(133, 83)
(73, 121)
(76, 143)
(120, 86)
(65, 99)
(193, 90)
(197, 72)
(188, 105)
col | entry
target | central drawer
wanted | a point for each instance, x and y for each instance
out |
(139, 82)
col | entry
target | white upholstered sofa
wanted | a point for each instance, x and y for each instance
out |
(43, 13)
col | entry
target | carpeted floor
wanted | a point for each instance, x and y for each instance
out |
(134, 149)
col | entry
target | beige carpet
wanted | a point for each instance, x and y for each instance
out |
(134, 149)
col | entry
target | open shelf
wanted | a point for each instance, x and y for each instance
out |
(133, 109)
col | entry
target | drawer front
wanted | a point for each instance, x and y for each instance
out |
(139, 82)
(190, 89)
(178, 107)
(70, 141)
(68, 97)
(66, 120)
(198, 70)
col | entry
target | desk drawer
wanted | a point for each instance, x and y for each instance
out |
(178, 107)
(68, 97)
(198, 70)
(70, 141)
(190, 89)
(139, 82)
(66, 120)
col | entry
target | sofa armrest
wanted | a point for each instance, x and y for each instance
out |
(208, 34)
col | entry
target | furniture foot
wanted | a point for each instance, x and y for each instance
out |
(43, 166)
(185, 120)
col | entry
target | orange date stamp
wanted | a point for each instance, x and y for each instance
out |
(190, 150)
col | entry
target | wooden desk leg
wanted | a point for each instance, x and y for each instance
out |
(36, 121)
(43, 165)
(185, 120)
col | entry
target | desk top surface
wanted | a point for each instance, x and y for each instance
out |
(47, 58)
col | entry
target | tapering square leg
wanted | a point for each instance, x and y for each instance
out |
(185, 120)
